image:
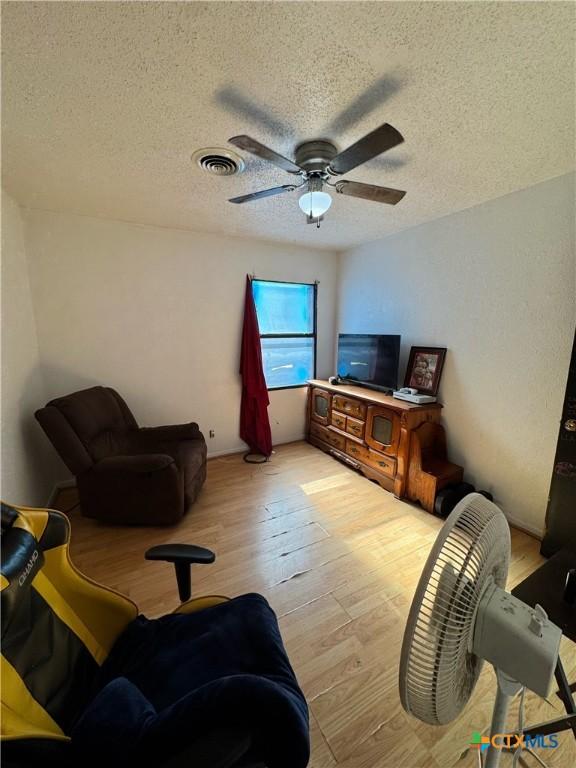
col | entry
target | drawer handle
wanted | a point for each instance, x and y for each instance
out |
(382, 464)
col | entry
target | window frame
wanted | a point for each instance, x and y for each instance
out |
(313, 335)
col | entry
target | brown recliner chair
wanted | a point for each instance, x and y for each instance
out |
(125, 473)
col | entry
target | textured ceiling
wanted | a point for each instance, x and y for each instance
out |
(103, 104)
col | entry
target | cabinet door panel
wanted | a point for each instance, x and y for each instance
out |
(320, 406)
(383, 429)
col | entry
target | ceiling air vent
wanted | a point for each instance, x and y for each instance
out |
(218, 162)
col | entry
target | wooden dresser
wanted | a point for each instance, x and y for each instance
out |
(366, 429)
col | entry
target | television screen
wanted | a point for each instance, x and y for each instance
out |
(369, 359)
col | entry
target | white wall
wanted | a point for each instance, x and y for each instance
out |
(496, 284)
(157, 313)
(27, 464)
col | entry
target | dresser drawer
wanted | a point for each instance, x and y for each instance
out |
(325, 434)
(318, 431)
(336, 440)
(356, 451)
(355, 427)
(383, 464)
(339, 420)
(348, 406)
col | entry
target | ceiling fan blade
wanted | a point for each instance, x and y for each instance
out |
(263, 193)
(255, 148)
(373, 144)
(369, 192)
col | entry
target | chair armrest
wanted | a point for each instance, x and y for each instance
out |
(172, 432)
(138, 464)
(182, 556)
(181, 553)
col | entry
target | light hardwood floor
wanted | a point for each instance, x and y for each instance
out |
(338, 558)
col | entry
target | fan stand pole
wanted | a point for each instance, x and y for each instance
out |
(507, 689)
(499, 714)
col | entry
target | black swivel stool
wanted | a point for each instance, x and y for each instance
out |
(546, 587)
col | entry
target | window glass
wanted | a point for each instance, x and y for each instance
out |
(287, 361)
(382, 430)
(286, 318)
(284, 307)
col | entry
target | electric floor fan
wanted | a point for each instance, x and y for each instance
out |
(461, 616)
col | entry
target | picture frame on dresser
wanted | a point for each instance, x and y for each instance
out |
(424, 369)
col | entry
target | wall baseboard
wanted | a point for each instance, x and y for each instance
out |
(227, 452)
(531, 530)
(231, 451)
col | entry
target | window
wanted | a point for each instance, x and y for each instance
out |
(287, 321)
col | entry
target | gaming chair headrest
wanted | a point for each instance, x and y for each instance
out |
(22, 555)
(25, 537)
(9, 517)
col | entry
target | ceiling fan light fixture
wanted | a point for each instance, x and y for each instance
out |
(315, 204)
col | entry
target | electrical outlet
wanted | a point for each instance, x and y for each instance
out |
(211, 433)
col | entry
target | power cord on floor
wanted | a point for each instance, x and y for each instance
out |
(255, 458)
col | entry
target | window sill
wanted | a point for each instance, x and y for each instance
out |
(290, 386)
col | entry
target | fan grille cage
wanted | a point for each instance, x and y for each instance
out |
(438, 670)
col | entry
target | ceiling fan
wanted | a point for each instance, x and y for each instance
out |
(317, 162)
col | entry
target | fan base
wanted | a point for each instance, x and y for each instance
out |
(315, 155)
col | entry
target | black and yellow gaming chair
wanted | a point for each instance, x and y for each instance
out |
(59, 627)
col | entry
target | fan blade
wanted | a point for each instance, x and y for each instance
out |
(263, 193)
(312, 220)
(255, 148)
(370, 146)
(370, 192)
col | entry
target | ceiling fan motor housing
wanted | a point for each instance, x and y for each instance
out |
(517, 639)
(315, 156)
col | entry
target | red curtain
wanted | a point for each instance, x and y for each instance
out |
(254, 422)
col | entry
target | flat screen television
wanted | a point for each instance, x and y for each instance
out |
(369, 360)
